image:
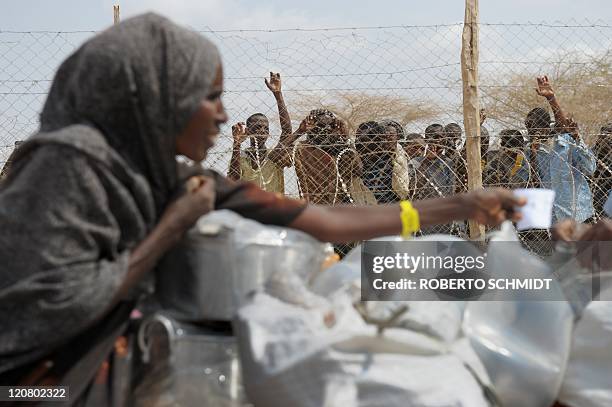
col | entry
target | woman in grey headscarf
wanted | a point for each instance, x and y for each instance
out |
(90, 204)
(84, 211)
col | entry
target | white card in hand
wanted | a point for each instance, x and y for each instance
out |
(608, 205)
(537, 212)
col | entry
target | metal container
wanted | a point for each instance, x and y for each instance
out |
(226, 257)
(274, 253)
(187, 365)
(194, 280)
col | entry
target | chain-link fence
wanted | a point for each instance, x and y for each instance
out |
(396, 131)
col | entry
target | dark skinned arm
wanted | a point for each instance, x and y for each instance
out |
(176, 220)
(545, 89)
(350, 223)
(280, 153)
(238, 135)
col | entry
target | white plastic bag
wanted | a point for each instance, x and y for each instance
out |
(290, 357)
(588, 379)
(441, 319)
(523, 344)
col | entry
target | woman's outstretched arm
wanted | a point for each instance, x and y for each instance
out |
(350, 223)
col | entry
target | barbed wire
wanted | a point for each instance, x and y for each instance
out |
(408, 73)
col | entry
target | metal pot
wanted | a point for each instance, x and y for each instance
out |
(226, 257)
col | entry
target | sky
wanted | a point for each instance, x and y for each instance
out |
(245, 14)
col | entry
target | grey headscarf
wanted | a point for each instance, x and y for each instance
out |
(85, 190)
(138, 83)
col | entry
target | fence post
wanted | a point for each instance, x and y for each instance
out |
(116, 17)
(471, 110)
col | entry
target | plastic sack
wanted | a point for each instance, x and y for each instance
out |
(344, 276)
(441, 319)
(523, 344)
(290, 357)
(588, 379)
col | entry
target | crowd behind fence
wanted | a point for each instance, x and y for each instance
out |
(389, 123)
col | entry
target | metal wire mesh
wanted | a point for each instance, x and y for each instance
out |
(408, 74)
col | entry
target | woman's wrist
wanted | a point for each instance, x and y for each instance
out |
(466, 207)
(169, 232)
(443, 210)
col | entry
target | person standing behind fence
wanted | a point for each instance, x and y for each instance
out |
(458, 153)
(508, 166)
(385, 165)
(401, 180)
(328, 168)
(453, 134)
(602, 178)
(560, 160)
(414, 147)
(434, 169)
(435, 176)
(256, 163)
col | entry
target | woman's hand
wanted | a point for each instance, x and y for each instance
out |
(492, 206)
(199, 199)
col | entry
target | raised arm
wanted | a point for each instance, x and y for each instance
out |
(351, 223)
(275, 86)
(238, 135)
(280, 153)
(545, 89)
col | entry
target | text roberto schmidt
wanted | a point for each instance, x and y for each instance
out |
(410, 264)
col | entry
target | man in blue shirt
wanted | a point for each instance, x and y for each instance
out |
(601, 184)
(559, 158)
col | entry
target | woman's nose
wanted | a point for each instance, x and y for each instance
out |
(222, 114)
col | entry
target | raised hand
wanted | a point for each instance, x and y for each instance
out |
(483, 116)
(274, 84)
(570, 126)
(306, 125)
(544, 87)
(198, 200)
(239, 133)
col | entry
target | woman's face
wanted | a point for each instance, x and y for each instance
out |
(202, 130)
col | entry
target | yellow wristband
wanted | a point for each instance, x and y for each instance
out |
(410, 219)
(518, 162)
